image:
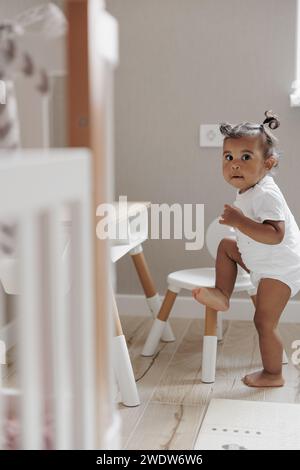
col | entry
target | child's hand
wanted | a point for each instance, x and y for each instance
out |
(231, 216)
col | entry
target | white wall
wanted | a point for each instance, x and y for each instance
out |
(186, 62)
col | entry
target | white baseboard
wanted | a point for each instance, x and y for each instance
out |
(187, 307)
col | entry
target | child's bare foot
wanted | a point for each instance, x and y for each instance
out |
(212, 297)
(263, 379)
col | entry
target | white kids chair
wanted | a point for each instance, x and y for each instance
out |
(189, 279)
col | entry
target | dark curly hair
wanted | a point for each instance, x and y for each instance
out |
(246, 129)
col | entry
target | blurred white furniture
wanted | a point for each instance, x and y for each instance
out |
(44, 28)
(295, 92)
(200, 277)
(132, 217)
(55, 332)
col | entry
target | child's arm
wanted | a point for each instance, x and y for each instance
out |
(270, 232)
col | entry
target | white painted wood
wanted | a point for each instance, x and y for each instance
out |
(189, 279)
(3, 348)
(124, 372)
(295, 95)
(107, 41)
(209, 358)
(123, 220)
(118, 251)
(29, 347)
(154, 336)
(41, 169)
(83, 323)
(40, 270)
(298, 42)
(60, 347)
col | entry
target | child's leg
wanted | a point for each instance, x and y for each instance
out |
(271, 299)
(228, 257)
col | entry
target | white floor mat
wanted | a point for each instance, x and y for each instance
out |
(238, 425)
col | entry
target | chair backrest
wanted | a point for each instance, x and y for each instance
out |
(55, 333)
(215, 233)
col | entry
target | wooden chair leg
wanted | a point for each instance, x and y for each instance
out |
(220, 327)
(159, 324)
(122, 364)
(152, 298)
(209, 352)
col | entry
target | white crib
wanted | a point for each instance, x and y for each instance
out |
(59, 363)
(54, 403)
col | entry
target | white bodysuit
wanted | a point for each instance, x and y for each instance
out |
(264, 201)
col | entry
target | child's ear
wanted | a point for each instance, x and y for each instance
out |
(270, 162)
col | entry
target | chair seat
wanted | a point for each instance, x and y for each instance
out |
(204, 277)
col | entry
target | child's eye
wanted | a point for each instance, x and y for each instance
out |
(246, 156)
(228, 157)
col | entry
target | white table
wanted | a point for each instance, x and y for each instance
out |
(126, 214)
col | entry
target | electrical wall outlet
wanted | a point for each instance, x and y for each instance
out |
(210, 136)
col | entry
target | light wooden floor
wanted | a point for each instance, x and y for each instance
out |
(173, 399)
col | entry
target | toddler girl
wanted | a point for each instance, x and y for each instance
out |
(267, 240)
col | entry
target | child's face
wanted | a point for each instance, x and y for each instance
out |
(243, 162)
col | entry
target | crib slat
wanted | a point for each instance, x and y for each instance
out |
(60, 335)
(2, 352)
(28, 314)
(88, 315)
(1, 370)
(83, 321)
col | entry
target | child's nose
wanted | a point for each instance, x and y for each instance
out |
(235, 166)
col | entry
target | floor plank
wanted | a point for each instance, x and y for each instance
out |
(147, 370)
(173, 394)
(180, 426)
(181, 381)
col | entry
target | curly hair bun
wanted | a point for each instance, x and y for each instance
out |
(226, 128)
(271, 119)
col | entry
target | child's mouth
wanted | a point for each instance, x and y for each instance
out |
(236, 176)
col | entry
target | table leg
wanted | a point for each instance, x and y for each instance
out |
(151, 294)
(158, 326)
(209, 351)
(122, 364)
